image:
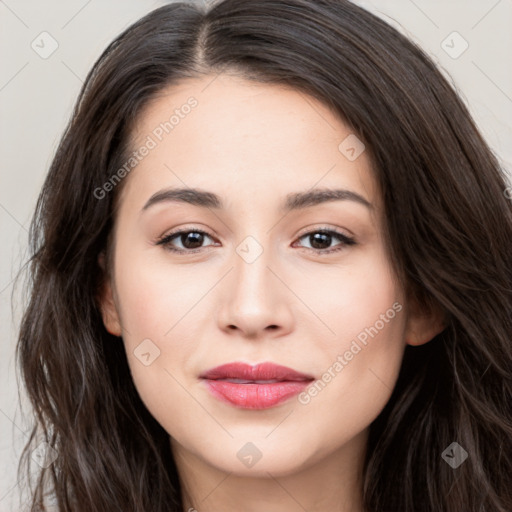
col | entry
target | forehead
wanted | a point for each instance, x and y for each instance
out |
(230, 134)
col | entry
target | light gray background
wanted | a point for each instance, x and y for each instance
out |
(37, 95)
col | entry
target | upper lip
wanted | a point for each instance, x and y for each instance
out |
(262, 371)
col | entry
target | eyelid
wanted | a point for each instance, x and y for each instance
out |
(332, 229)
(162, 240)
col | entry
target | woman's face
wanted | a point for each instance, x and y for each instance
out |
(263, 285)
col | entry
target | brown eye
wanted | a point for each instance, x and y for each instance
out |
(190, 240)
(320, 240)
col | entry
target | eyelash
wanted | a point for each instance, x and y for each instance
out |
(345, 241)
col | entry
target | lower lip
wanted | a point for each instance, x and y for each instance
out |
(255, 396)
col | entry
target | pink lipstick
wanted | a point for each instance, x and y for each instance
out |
(254, 387)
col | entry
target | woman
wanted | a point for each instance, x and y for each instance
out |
(271, 271)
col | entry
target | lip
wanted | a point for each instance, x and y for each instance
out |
(248, 387)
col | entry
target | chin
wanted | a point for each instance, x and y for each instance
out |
(259, 457)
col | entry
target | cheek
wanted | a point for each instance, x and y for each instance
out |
(353, 388)
(353, 297)
(159, 309)
(362, 359)
(155, 297)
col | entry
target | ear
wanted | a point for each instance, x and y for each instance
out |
(106, 301)
(423, 323)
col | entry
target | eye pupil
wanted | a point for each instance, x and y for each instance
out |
(194, 237)
(319, 239)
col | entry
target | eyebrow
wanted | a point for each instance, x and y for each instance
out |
(293, 201)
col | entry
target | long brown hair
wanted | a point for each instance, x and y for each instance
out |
(448, 225)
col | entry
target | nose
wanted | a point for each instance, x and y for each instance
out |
(256, 301)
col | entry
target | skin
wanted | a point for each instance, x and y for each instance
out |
(252, 144)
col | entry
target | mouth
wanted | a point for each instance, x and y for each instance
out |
(242, 381)
(254, 387)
